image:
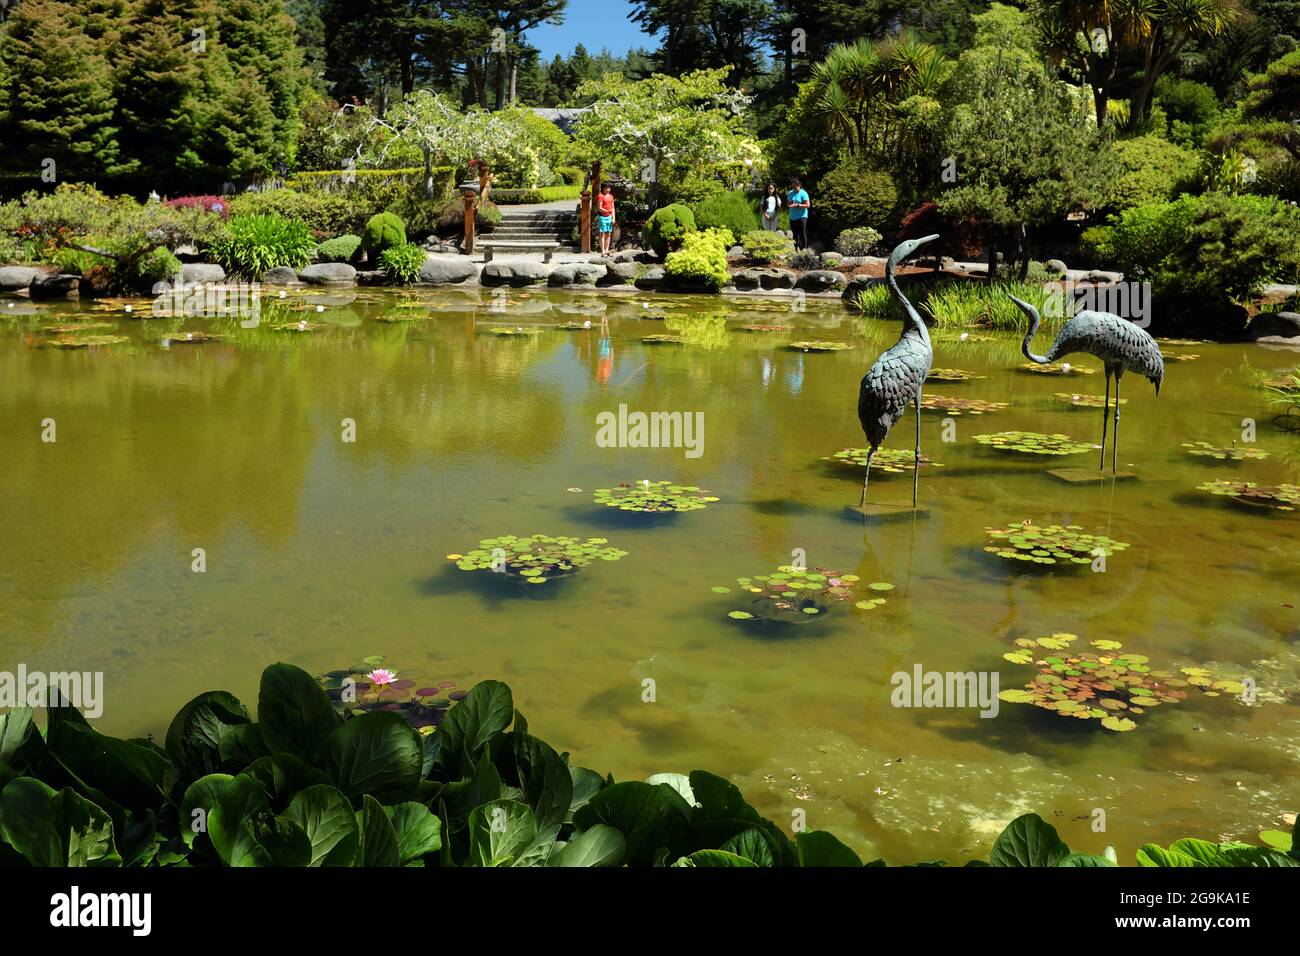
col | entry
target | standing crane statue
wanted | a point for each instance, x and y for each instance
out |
(1121, 346)
(895, 380)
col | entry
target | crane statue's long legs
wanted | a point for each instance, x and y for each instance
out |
(1114, 441)
(916, 466)
(871, 453)
(1105, 414)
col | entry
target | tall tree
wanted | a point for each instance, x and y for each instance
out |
(707, 34)
(59, 102)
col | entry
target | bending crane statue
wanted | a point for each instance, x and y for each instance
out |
(1121, 346)
(894, 381)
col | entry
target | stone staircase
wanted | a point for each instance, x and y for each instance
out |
(532, 230)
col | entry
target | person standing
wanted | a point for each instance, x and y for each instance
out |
(605, 217)
(797, 201)
(768, 208)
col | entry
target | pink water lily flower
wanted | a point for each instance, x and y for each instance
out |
(382, 676)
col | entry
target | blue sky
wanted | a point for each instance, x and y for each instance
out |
(596, 24)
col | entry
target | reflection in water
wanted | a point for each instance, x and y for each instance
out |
(319, 551)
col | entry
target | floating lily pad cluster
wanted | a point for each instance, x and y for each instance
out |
(1282, 497)
(1053, 544)
(657, 497)
(190, 338)
(372, 685)
(1203, 449)
(951, 375)
(796, 595)
(1109, 684)
(817, 345)
(889, 461)
(764, 328)
(83, 341)
(1058, 368)
(1087, 401)
(663, 340)
(72, 328)
(536, 559)
(512, 331)
(1034, 443)
(304, 326)
(951, 405)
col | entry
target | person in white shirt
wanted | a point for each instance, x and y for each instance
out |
(768, 208)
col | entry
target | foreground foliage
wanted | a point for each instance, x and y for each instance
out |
(311, 784)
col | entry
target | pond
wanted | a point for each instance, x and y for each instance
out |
(321, 551)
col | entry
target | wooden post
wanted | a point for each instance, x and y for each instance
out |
(469, 221)
(595, 191)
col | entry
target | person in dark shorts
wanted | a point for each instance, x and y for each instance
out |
(796, 200)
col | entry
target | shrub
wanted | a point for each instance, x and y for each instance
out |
(701, 259)
(732, 210)
(451, 218)
(402, 264)
(667, 227)
(571, 175)
(338, 249)
(384, 231)
(858, 241)
(1216, 246)
(854, 194)
(1151, 170)
(804, 260)
(256, 243)
(1190, 109)
(538, 195)
(763, 247)
(158, 265)
(218, 205)
(325, 214)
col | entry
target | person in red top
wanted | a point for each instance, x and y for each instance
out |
(605, 217)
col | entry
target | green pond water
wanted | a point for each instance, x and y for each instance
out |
(322, 552)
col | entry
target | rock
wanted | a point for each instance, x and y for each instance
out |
(653, 278)
(820, 280)
(447, 271)
(519, 272)
(620, 273)
(857, 285)
(1056, 266)
(627, 255)
(776, 278)
(646, 256)
(576, 273)
(204, 272)
(1104, 278)
(17, 278)
(328, 273)
(96, 285)
(831, 258)
(736, 252)
(747, 280)
(371, 277)
(280, 275)
(62, 286)
(1284, 325)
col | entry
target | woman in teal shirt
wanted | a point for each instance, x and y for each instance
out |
(797, 202)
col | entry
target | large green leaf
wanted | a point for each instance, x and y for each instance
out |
(55, 828)
(325, 815)
(1154, 855)
(376, 753)
(546, 781)
(378, 838)
(470, 725)
(752, 845)
(21, 744)
(194, 736)
(418, 831)
(220, 805)
(283, 842)
(1085, 860)
(819, 848)
(1258, 856)
(1028, 840)
(649, 816)
(293, 712)
(586, 784)
(283, 776)
(461, 797)
(500, 832)
(127, 773)
(241, 745)
(713, 858)
(599, 846)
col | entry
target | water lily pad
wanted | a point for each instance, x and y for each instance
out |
(1078, 400)
(1034, 443)
(1233, 452)
(951, 405)
(1050, 545)
(73, 342)
(889, 461)
(663, 340)
(1281, 497)
(536, 559)
(792, 594)
(654, 497)
(951, 375)
(512, 331)
(817, 345)
(1058, 368)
